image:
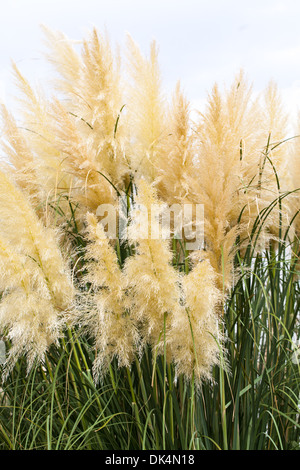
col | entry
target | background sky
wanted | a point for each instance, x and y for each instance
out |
(200, 41)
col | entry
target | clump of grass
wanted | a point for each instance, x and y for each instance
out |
(140, 342)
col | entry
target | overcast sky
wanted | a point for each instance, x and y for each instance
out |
(200, 41)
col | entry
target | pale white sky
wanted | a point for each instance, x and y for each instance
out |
(200, 41)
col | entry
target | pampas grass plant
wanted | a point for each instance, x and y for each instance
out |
(142, 340)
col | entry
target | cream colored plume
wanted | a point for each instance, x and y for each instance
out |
(176, 312)
(218, 178)
(176, 168)
(234, 177)
(153, 283)
(146, 112)
(18, 152)
(91, 82)
(72, 148)
(35, 280)
(195, 343)
(105, 308)
(33, 153)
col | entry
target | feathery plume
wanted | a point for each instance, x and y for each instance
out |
(36, 287)
(18, 152)
(276, 122)
(152, 280)
(217, 185)
(176, 166)
(233, 183)
(63, 56)
(105, 309)
(79, 160)
(195, 343)
(37, 123)
(92, 84)
(146, 112)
